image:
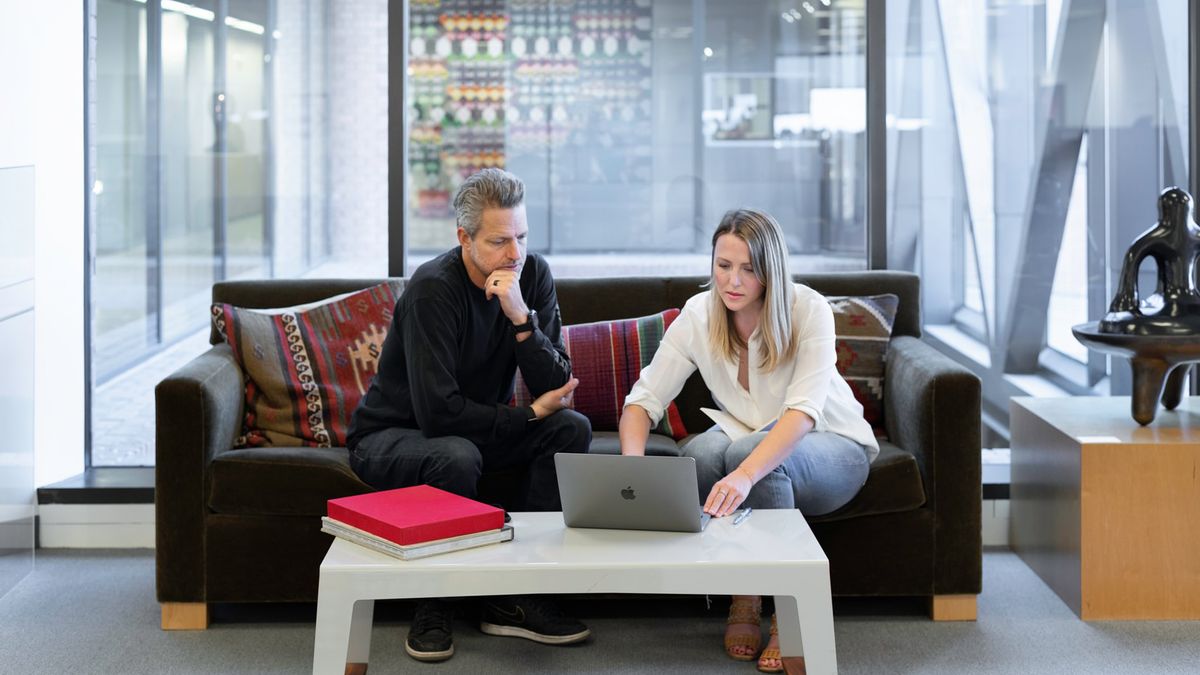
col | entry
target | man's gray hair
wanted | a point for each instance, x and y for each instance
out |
(486, 189)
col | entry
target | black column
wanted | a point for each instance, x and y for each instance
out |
(876, 134)
(397, 143)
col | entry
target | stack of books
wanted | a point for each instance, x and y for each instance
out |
(415, 522)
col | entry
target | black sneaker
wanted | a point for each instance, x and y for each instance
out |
(430, 637)
(533, 618)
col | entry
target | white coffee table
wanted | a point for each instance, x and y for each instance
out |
(771, 553)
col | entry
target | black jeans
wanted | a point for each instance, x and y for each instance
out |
(395, 458)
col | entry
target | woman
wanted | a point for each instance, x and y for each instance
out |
(765, 348)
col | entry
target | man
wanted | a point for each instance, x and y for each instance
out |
(437, 410)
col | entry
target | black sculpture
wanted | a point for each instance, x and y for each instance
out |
(1159, 343)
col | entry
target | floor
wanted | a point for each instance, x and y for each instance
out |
(94, 611)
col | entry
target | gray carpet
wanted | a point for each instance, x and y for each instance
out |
(94, 612)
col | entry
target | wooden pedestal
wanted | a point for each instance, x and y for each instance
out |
(1106, 512)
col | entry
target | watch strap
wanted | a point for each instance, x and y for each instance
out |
(529, 324)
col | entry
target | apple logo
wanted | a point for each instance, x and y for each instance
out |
(627, 493)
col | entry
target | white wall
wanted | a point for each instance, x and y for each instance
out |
(41, 124)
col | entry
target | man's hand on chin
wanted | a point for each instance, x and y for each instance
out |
(504, 284)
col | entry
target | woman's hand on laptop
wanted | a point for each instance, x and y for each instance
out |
(728, 494)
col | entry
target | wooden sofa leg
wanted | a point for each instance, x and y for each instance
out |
(356, 669)
(953, 607)
(184, 615)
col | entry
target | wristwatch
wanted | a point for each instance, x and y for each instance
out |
(529, 324)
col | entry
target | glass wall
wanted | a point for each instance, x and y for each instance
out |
(636, 124)
(18, 497)
(121, 268)
(1027, 146)
(230, 139)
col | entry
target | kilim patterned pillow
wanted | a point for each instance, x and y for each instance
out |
(608, 357)
(863, 328)
(307, 367)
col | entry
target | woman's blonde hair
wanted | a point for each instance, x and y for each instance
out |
(769, 258)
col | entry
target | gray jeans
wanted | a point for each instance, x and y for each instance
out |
(822, 473)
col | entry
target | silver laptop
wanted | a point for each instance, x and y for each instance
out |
(630, 493)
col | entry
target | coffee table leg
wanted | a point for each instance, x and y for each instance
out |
(361, 622)
(343, 632)
(806, 629)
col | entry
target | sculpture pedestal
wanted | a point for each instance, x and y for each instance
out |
(1106, 512)
(1158, 363)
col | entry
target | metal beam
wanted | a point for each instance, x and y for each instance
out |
(89, 218)
(1194, 95)
(269, 198)
(903, 162)
(964, 29)
(876, 134)
(220, 107)
(1137, 165)
(1172, 125)
(1017, 39)
(941, 206)
(397, 138)
(153, 221)
(1194, 125)
(1063, 118)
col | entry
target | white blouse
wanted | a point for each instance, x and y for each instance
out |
(810, 384)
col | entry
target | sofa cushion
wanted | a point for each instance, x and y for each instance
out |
(609, 443)
(608, 357)
(894, 485)
(295, 481)
(307, 366)
(863, 328)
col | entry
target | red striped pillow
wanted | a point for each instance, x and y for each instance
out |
(608, 357)
(863, 326)
(306, 367)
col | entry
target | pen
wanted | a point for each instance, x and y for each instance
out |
(737, 520)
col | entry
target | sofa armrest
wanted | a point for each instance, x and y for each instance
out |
(932, 408)
(198, 413)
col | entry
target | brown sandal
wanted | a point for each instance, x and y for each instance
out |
(771, 653)
(743, 645)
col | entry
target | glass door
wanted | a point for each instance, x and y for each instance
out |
(182, 189)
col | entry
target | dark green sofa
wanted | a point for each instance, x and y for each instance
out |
(243, 525)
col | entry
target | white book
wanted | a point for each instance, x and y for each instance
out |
(413, 551)
(732, 426)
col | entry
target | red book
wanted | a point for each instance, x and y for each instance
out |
(413, 515)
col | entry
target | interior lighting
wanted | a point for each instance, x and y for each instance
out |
(248, 26)
(190, 10)
(208, 15)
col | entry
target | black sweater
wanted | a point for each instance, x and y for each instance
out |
(447, 364)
